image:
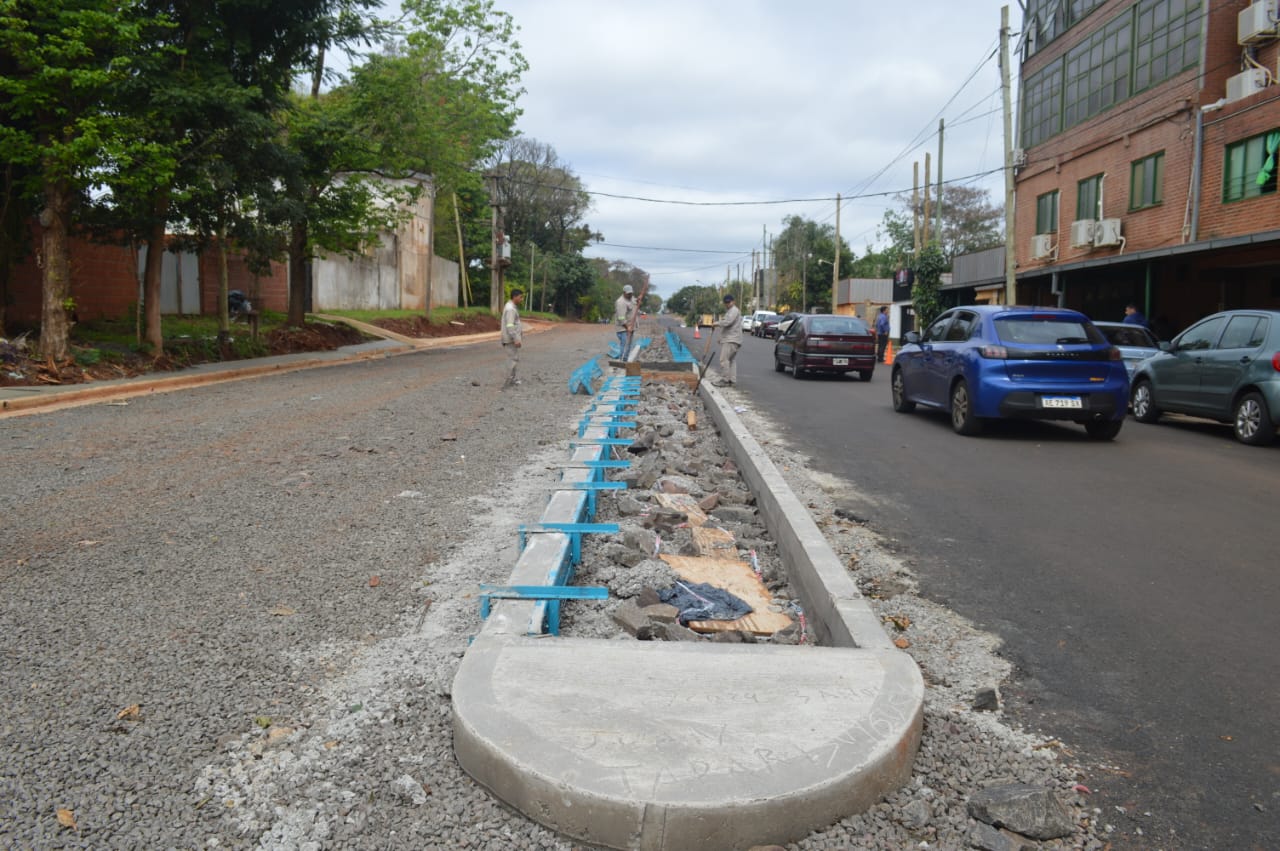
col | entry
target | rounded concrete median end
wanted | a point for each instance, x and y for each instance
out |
(656, 745)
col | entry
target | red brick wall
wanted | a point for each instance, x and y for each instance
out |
(1161, 119)
(270, 292)
(104, 282)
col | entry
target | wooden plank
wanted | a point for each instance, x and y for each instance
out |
(685, 503)
(738, 579)
(692, 419)
(714, 542)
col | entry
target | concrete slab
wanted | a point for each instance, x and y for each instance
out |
(661, 745)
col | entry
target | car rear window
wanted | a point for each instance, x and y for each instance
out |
(1128, 335)
(1046, 331)
(837, 325)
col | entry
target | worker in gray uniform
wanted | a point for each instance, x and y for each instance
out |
(730, 326)
(512, 336)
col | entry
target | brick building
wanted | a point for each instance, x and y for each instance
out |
(1146, 158)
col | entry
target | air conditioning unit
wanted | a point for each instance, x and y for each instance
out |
(1107, 232)
(1041, 246)
(1246, 83)
(1082, 233)
(1256, 22)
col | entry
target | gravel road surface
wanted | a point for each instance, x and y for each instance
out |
(231, 615)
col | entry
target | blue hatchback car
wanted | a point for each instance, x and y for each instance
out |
(998, 361)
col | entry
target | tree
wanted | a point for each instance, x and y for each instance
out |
(65, 61)
(925, 300)
(804, 253)
(970, 222)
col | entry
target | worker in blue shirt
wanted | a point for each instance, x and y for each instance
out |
(882, 333)
(1133, 316)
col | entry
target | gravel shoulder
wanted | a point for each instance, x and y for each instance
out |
(232, 615)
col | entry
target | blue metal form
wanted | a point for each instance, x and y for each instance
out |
(602, 441)
(591, 488)
(549, 594)
(582, 378)
(609, 424)
(575, 531)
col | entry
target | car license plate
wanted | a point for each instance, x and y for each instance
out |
(1060, 402)
(839, 361)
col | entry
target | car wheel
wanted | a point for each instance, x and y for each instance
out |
(796, 371)
(1144, 403)
(1103, 429)
(778, 366)
(1253, 423)
(963, 420)
(900, 402)
(865, 374)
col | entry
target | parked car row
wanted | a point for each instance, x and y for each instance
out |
(986, 362)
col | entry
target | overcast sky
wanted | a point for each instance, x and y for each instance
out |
(715, 101)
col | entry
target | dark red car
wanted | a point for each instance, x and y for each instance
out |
(826, 343)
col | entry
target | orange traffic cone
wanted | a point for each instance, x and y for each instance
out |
(697, 335)
(888, 352)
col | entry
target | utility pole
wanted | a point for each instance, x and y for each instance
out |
(938, 200)
(835, 269)
(924, 226)
(495, 271)
(1010, 256)
(915, 209)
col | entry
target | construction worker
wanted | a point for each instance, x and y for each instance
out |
(624, 312)
(512, 336)
(730, 326)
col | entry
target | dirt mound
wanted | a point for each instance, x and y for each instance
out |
(419, 326)
(21, 365)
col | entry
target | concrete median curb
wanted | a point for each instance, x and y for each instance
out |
(672, 746)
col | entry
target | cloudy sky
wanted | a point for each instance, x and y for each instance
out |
(701, 105)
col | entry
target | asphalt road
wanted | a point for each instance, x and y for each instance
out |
(1135, 585)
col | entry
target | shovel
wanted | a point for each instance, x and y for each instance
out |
(706, 362)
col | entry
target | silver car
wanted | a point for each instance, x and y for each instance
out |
(1135, 343)
(1226, 367)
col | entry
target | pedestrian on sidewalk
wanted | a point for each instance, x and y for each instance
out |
(882, 333)
(512, 336)
(730, 326)
(624, 312)
(1133, 316)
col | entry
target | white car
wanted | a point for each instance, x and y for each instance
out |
(749, 323)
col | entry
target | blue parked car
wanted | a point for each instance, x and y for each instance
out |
(998, 361)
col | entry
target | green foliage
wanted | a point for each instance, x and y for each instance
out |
(925, 299)
(803, 254)
(86, 357)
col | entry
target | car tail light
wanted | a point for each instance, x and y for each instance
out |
(1275, 361)
(1114, 354)
(995, 352)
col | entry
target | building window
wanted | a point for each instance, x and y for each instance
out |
(1047, 212)
(1249, 168)
(1042, 105)
(1166, 41)
(1097, 71)
(1146, 182)
(1087, 193)
(1147, 43)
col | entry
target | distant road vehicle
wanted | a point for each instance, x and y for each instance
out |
(1226, 367)
(1135, 342)
(784, 323)
(765, 327)
(749, 323)
(996, 361)
(827, 344)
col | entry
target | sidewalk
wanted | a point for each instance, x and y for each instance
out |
(21, 400)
